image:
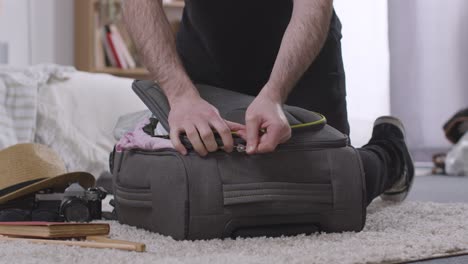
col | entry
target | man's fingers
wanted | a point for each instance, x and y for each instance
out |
(206, 135)
(276, 134)
(242, 134)
(286, 136)
(225, 134)
(252, 127)
(194, 137)
(270, 139)
(233, 126)
(174, 135)
(237, 129)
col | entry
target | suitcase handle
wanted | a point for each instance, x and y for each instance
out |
(275, 230)
(259, 226)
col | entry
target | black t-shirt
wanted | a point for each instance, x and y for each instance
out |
(233, 43)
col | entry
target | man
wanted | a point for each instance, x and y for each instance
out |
(281, 51)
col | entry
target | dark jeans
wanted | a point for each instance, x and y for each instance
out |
(378, 161)
(380, 167)
(322, 89)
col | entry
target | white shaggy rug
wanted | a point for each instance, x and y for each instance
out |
(393, 233)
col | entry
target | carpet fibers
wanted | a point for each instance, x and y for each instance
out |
(393, 233)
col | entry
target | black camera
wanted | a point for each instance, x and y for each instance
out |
(75, 204)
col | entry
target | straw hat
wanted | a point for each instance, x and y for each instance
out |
(28, 168)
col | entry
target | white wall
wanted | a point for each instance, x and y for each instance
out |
(52, 31)
(429, 74)
(37, 31)
(366, 60)
(14, 30)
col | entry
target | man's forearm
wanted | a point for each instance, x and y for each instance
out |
(302, 42)
(151, 31)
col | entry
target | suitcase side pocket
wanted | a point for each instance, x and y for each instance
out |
(151, 192)
(133, 206)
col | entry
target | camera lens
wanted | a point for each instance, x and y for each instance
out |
(75, 210)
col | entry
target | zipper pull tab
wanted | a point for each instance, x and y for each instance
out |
(240, 148)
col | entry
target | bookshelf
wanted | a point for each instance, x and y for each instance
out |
(88, 19)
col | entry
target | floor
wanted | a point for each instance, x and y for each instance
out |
(443, 189)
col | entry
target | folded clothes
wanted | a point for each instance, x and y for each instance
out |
(139, 139)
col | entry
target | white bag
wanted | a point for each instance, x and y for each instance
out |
(456, 162)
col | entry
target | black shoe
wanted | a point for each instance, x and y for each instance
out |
(391, 129)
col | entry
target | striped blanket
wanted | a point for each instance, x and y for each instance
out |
(18, 99)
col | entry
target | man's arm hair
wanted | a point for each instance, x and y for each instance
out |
(301, 43)
(150, 29)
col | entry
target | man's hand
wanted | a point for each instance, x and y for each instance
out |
(196, 117)
(265, 113)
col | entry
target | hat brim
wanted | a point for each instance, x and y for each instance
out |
(58, 184)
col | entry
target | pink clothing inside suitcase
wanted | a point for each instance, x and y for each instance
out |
(139, 139)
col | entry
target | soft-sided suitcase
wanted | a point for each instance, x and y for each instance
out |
(314, 182)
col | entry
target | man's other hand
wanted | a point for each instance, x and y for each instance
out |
(197, 118)
(265, 113)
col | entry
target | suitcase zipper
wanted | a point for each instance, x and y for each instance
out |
(241, 147)
(303, 145)
(321, 144)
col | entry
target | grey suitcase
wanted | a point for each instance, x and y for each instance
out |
(314, 182)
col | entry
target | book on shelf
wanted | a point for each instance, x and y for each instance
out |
(128, 42)
(122, 47)
(99, 56)
(53, 229)
(114, 48)
(109, 58)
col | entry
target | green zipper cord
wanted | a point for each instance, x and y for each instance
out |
(321, 121)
